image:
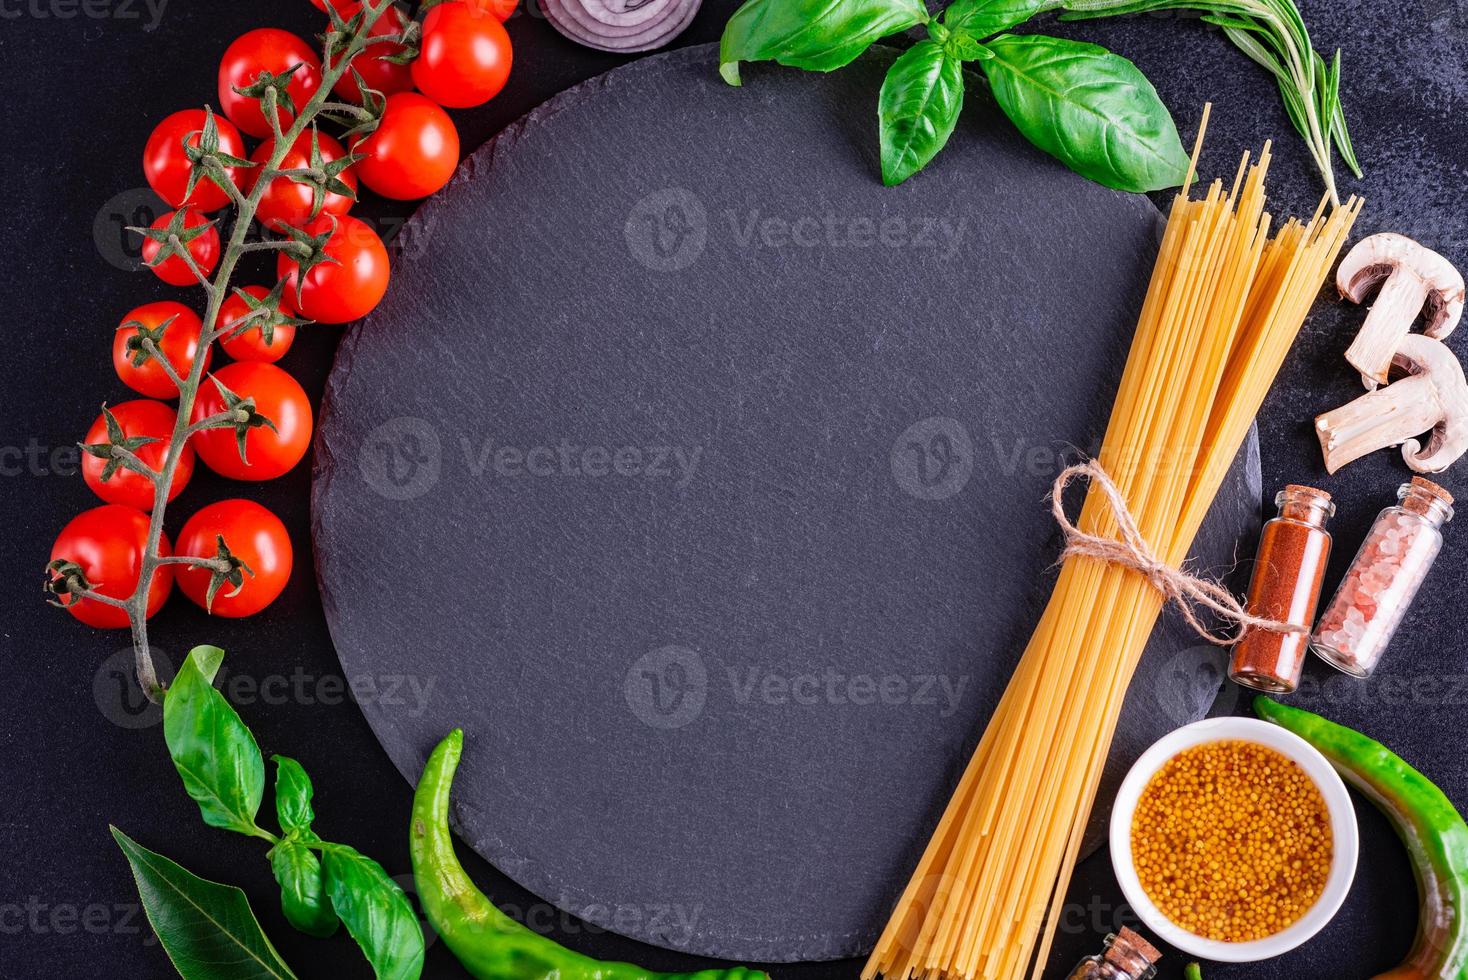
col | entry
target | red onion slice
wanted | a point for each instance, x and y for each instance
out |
(592, 14)
(620, 25)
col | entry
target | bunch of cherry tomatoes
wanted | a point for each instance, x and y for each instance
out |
(463, 60)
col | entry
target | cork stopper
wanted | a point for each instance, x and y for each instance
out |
(1304, 491)
(1141, 945)
(1132, 954)
(1308, 505)
(1427, 486)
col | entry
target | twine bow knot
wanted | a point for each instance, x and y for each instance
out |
(1131, 550)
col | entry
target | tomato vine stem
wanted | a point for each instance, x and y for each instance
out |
(334, 66)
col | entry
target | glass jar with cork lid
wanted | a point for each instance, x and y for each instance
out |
(1127, 956)
(1289, 572)
(1383, 578)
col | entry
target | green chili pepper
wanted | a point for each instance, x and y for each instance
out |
(1193, 972)
(1429, 825)
(490, 944)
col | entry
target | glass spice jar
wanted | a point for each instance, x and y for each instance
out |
(1126, 956)
(1383, 578)
(1289, 571)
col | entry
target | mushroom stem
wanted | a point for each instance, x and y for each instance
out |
(1391, 317)
(1385, 417)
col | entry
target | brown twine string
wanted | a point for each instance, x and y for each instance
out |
(1185, 591)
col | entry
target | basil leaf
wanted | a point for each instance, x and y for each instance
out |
(214, 752)
(963, 47)
(980, 18)
(1089, 108)
(918, 108)
(376, 913)
(302, 889)
(818, 35)
(293, 793)
(206, 928)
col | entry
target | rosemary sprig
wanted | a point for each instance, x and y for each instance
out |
(1273, 34)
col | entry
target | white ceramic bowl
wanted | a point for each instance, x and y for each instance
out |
(1342, 823)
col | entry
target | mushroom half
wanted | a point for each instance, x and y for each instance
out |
(1413, 280)
(1432, 398)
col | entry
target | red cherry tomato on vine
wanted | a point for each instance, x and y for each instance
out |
(344, 290)
(167, 166)
(108, 543)
(253, 535)
(288, 202)
(500, 10)
(386, 77)
(250, 345)
(139, 418)
(180, 344)
(269, 453)
(340, 5)
(266, 49)
(465, 56)
(413, 151)
(205, 250)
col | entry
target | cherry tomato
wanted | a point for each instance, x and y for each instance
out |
(386, 77)
(254, 536)
(108, 543)
(167, 167)
(266, 49)
(250, 345)
(270, 453)
(180, 344)
(205, 250)
(500, 10)
(344, 290)
(288, 202)
(413, 151)
(465, 56)
(340, 5)
(139, 418)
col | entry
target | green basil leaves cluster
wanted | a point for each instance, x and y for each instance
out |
(1091, 109)
(207, 928)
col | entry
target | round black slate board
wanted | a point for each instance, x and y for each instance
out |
(700, 479)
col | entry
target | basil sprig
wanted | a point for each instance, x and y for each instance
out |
(208, 929)
(1092, 110)
(1089, 108)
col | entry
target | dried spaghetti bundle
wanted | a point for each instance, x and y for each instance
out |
(1224, 305)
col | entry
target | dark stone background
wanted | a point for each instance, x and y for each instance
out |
(79, 94)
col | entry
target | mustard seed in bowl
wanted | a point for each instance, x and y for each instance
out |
(1231, 840)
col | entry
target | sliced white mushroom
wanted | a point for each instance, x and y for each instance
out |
(1433, 397)
(1413, 280)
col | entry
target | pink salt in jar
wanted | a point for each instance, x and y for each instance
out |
(1383, 579)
